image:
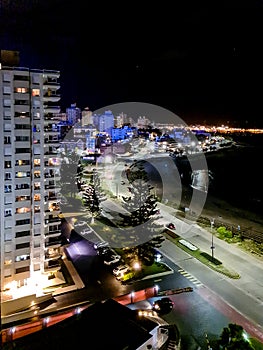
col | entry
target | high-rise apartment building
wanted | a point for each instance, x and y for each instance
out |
(30, 172)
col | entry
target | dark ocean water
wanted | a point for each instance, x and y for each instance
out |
(236, 174)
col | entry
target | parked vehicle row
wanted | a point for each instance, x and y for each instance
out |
(121, 271)
(110, 257)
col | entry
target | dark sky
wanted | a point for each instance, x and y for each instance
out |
(203, 62)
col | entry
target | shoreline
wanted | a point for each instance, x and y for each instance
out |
(220, 209)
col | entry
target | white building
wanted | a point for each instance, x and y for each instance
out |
(104, 122)
(30, 167)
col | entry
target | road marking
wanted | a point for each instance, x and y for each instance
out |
(190, 277)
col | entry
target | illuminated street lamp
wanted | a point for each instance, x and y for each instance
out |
(136, 265)
(156, 289)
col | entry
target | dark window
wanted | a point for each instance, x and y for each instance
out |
(22, 269)
(22, 222)
(22, 245)
(22, 234)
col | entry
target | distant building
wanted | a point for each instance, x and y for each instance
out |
(73, 114)
(121, 133)
(143, 122)
(104, 122)
(87, 117)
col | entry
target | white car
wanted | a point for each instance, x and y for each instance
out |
(80, 223)
(119, 270)
(111, 257)
(86, 231)
(100, 244)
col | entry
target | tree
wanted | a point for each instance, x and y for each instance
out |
(142, 213)
(232, 337)
(93, 196)
(69, 174)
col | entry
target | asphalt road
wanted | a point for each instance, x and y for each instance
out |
(206, 310)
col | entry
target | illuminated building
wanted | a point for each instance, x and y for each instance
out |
(30, 168)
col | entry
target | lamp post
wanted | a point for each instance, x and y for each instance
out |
(212, 221)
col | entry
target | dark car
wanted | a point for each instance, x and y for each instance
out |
(171, 226)
(103, 250)
(163, 306)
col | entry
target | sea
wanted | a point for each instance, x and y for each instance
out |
(235, 173)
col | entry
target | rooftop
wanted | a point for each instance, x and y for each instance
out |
(103, 325)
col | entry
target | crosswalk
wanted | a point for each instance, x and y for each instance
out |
(190, 277)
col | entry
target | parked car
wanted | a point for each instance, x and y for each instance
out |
(111, 257)
(120, 270)
(86, 231)
(80, 223)
(100, 244)
(171, 226)
(163, 306)
(157, 255)
(103, 250)
(126, 277)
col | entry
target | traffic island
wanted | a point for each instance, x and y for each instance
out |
(203, 257)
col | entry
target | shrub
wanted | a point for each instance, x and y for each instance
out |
(223, 232)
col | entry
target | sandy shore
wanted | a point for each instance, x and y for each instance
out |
(223, 211)
(220, 210)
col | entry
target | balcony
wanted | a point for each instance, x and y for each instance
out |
(52, 256)
(51, 98)
(52, 233)
(52, 219)
(51, 109)
(53, 243)
(52, 265)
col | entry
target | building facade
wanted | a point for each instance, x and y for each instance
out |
(29, 217)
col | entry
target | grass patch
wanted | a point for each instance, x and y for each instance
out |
(151, 270)
(256, 344)
(211, 258)
(155, 268)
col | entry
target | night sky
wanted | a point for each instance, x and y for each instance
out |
(203, 62)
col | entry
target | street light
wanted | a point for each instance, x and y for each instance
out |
(132, 297)
(212, 221)
(156, 289)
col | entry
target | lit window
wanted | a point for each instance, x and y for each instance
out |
(8, 261)
(37, 174)
(37, 162)
(21, 90)
(37, 197)
(22, 210)
(37, 186)
(35, 92)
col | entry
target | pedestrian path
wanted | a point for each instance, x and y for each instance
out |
(190, 277)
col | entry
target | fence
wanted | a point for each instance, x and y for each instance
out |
(245, 232)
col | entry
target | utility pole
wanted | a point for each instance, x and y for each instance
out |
(212, 221)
